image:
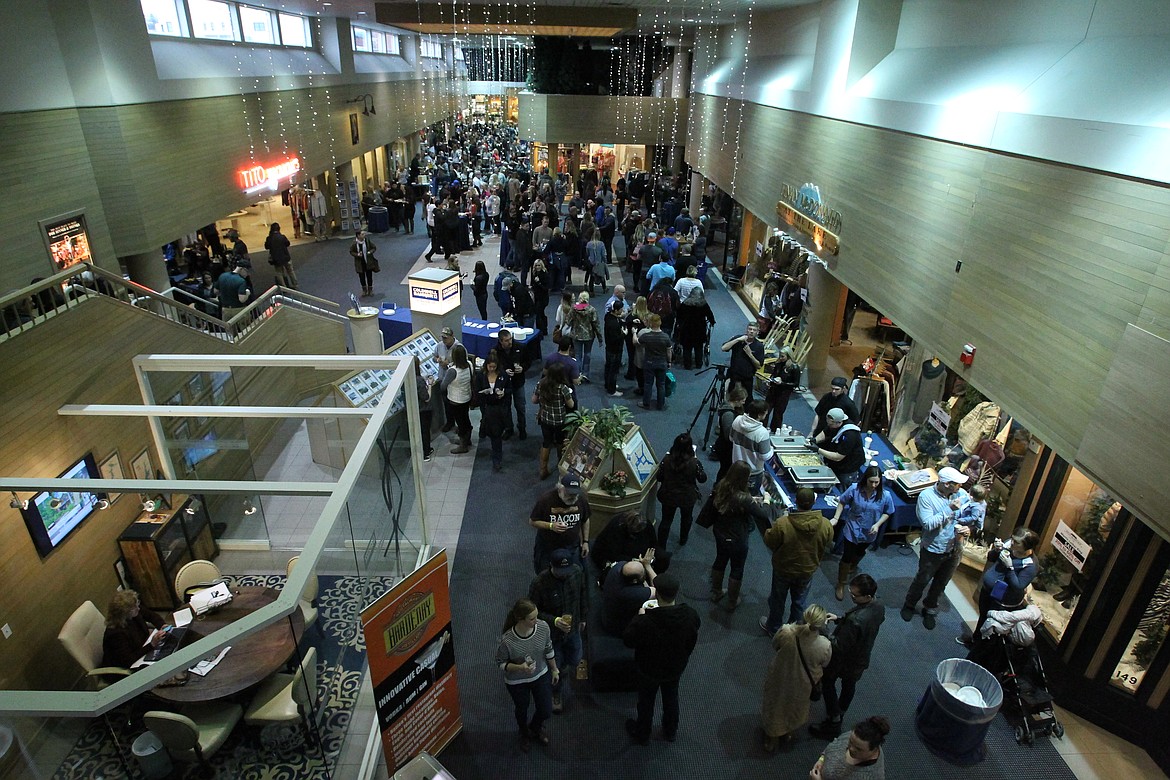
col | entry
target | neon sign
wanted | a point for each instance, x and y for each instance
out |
(259, 177)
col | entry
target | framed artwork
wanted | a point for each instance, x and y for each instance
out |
(181, 432)
(141, 467)
(176, 399)
(111, 468)
(195, 385)
(123, 576)
(218, 395)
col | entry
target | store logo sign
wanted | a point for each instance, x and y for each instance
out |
(803, 208)
(260, 177)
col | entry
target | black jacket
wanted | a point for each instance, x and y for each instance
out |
(854, 637)
(678, 484)
(663, 640)
(614, 338)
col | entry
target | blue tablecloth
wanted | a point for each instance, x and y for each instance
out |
(478, 338)
(905, 515)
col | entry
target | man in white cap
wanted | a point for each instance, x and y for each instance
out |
(941, 548)
(841, 446)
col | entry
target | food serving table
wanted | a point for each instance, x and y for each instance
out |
(252, 657)
(905, 514)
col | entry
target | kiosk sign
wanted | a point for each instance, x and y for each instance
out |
(412, 664)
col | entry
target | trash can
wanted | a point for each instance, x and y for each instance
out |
(153, 758)
(955, 712)
(379, 219)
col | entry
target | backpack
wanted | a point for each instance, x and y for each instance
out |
(660, 302)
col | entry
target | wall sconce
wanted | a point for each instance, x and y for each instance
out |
(17, 503)
(367, 101)
(249, 507)
(148, 504)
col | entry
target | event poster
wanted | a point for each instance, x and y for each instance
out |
(68, 242)
(411, 652)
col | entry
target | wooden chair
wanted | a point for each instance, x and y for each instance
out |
(197, 734)
(196, 575)
(308, 595)
(82, 637)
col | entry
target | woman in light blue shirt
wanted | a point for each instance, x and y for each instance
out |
(866, 506)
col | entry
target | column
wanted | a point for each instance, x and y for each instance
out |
(148, 269)
(824, 292)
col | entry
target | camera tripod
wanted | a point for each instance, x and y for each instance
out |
(713, 400)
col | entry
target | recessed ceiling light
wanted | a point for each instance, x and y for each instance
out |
(326, 4)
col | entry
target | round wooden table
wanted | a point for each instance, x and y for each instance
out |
(250, 659)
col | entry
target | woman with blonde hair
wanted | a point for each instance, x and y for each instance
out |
(636, 319)
(801, 655)
(584, 326)
(127, 627)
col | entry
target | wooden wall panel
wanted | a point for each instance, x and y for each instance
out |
(83, 356)
(46, 169)
(572, 119)
(1056, 261)
(1126, 435)
(146, 174)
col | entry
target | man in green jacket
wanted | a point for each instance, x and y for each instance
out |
(798, 542)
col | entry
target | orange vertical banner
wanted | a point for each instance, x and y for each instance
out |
(411, 652)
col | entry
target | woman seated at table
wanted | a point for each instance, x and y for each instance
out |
(127, 627)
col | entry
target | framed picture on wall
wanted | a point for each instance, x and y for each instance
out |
(123, 576)
(195, 385)
(111, 468)
(141, 467)
(176, 399)
(218, 395)
(181, 432)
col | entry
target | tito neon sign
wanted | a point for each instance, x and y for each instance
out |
(259, 177)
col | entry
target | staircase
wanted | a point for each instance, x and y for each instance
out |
(24, 309)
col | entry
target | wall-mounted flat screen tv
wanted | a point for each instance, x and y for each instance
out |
(53, 515)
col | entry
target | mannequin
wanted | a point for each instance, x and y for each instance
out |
(929, 388)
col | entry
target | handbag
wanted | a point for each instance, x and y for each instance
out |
(815, 693)
(708, 514)
(671, 383)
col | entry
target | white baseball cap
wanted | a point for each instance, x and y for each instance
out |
(949, 474)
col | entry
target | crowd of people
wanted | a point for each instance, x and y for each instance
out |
(655, 316)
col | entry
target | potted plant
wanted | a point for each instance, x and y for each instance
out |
(608, 426)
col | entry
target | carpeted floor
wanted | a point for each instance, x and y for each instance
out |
(720, 692)
(340, 668)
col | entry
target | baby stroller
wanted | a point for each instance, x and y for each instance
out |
(1008, 650)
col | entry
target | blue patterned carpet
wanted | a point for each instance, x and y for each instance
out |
(246, 756)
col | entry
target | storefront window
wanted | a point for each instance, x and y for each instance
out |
(1070, 547)
(257, 25)
(212, 19)
(294, 31)
(163, 17)
(1146, 641)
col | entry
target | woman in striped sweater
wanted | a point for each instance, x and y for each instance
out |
(525, 655)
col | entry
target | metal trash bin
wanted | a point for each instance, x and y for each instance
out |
(153, 758)
(379, 219)
(955, 713)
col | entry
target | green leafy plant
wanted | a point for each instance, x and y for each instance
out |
(930, 446)
(1051, 568)
(1147, 647)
